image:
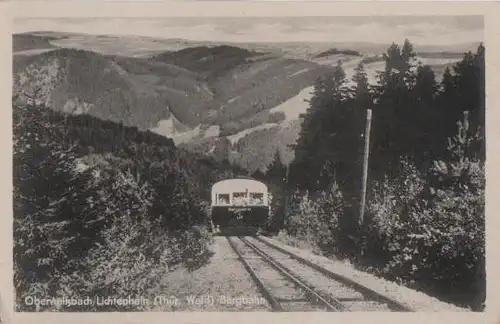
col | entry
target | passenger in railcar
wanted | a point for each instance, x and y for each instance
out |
(256, 198)
(240, 199)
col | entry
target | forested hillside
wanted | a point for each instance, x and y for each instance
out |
(196, 96)
(200, 94)
(103, 209)
(198, 86)
(424, 219)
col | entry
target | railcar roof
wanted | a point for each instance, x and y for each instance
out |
(231, 185)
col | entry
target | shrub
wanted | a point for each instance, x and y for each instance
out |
(429, 232)
(317, 220)
(194, 248)
(303, 213)
(388, 202)
(426, 230)
(50, 227)
(89, 226)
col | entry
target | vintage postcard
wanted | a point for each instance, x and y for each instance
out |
(310, 160)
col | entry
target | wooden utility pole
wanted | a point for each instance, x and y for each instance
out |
(365, 166)
(285, 211)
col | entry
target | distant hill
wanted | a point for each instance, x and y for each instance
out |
(335, 51)
(143, 46)
(210, 62)
(438, 55)
(23, 42)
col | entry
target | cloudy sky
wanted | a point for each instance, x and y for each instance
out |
(428, 30)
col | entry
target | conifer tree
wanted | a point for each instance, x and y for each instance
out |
(454, 209)
(276, 181)
(314, 163)
(408, 57)
(393, 108)
(49, 223)
(463, 90)
(361, 88)
(258, 175)
(350, 141)
(426, 86)
(276, 170)
(423, 120)
(447, 81)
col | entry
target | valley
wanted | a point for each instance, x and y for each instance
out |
(239, 102)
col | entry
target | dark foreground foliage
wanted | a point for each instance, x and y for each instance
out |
(424, 220)
(101, 209)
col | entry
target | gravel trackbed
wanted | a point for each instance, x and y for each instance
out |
(414, 300)
(222, 285)
(225, 285)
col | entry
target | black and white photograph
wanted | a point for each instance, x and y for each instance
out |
(249, 164)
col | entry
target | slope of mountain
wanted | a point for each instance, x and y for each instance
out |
(84, 82)
(245, 84)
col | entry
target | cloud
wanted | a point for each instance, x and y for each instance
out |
(423, 30)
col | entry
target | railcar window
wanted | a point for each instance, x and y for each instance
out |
(239, 198)
(256, 198)
(223, 199)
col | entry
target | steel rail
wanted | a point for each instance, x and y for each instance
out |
(392, 304)
(275, 305)
(332, 304)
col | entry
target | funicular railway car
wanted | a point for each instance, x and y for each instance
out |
(239, 205)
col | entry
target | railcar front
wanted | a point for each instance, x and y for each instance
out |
(239, 205)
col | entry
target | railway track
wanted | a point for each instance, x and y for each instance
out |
(291, 283)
